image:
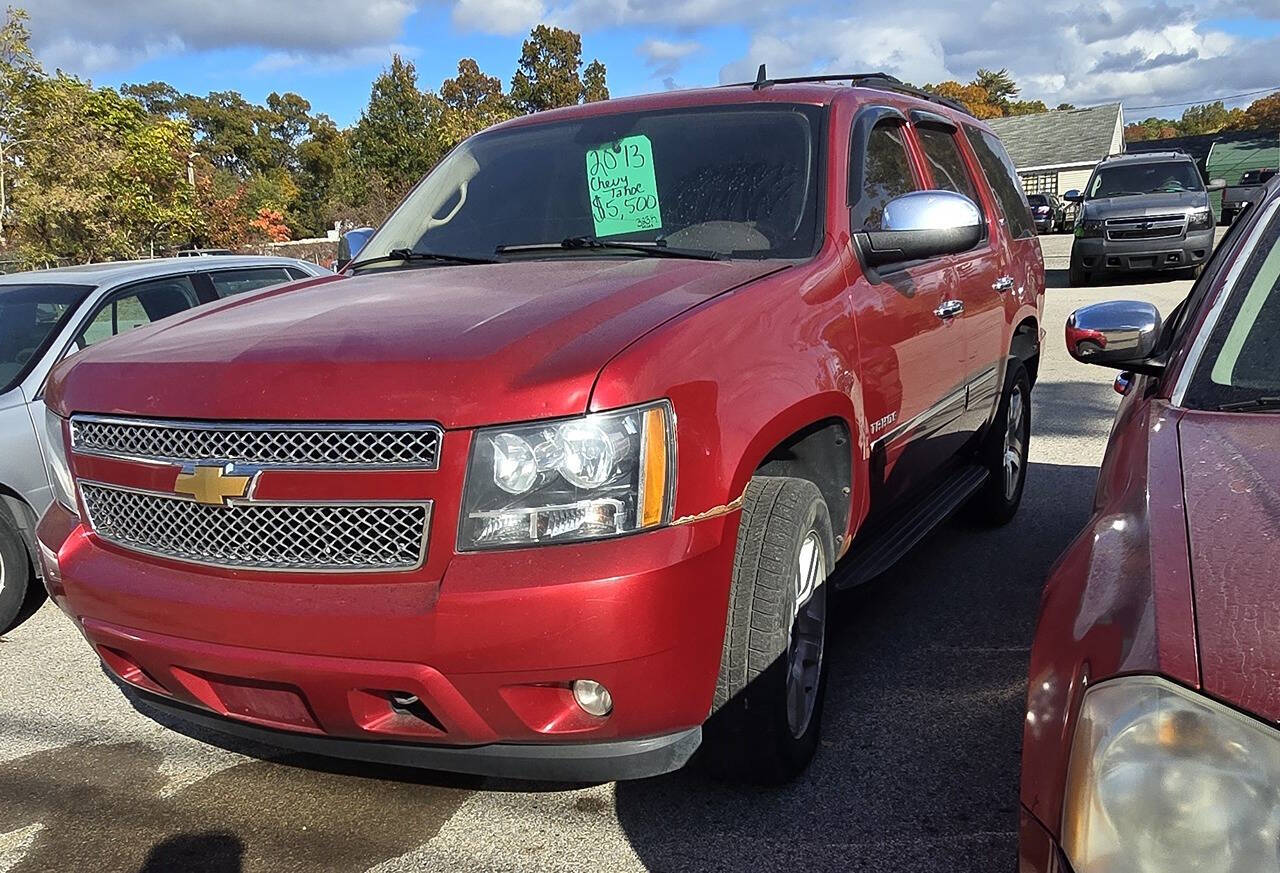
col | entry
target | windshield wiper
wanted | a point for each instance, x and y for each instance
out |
(407, 255)
(655, 249)
(1257, 404)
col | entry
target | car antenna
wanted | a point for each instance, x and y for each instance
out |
(761, 79)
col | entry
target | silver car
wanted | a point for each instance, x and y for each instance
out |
(48, 315)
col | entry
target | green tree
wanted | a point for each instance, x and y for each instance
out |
(547, 75)
(19, 71)
(102, 178)
(395, 135)
(1026, 107)
(470, 102)
(999, 85)
(158, 98)
(288, 120)
(594, 86)
(1205, 118)
(1064, 106)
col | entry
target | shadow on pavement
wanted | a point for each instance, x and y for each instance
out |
(1075, 408)
(918, 767)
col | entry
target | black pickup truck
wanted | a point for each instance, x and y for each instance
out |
(1237, 198)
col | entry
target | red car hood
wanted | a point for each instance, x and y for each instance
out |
(463, 346)
(1231, 473)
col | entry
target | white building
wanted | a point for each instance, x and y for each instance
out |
(1056, 151)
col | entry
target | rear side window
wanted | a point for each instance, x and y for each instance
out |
(228, 283)
(886, 174)
(945, 162)
(1003, 179)
(140, 305)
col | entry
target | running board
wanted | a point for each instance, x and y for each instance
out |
(871, 556)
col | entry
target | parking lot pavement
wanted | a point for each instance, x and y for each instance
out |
(918, 768)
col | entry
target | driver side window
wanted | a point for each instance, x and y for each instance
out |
(886, 174)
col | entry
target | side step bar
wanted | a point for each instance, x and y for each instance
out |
(876, 553)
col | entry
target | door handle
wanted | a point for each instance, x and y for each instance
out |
(1004, 283)
(949, 308)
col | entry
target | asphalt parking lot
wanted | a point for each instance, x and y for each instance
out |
(918, 769)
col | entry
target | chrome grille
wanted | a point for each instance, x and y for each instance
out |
(261, 536)
(366, 446)
(1155, 227)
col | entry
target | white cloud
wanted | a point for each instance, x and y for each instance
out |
(664, 58)
(1144, 52)
(504, 17)
(93, 36)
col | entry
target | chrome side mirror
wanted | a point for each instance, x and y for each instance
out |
(1073, 196)
(350, 244)
(1216, 184)
(1117, 333)
(923, 224)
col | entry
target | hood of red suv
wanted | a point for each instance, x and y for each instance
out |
(1231, 474)
(463, 346)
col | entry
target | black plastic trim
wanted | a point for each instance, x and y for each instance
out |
(562, 762)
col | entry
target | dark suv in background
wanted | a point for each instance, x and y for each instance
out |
(1142, 212)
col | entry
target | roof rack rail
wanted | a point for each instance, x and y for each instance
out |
(876, 81)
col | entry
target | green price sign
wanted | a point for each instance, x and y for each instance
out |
(623, 187)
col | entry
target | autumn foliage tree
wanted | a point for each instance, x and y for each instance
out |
(90, 173)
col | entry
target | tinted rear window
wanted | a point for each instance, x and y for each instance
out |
(1004, 181)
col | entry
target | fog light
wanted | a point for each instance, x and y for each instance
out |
(593, 697)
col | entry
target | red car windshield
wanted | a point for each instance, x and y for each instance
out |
(737, 181)
(1238, 367)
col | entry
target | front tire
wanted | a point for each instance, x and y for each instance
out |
(767, 710)
(1077, 275)
(15, 574)
(1004, 452)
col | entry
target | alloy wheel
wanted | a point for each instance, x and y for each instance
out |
(1015, 443)
(808, 634)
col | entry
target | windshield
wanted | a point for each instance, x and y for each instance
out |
(1239, 363)
(1162, 177)
(739, 181)
(1256, 177)
(30, 318)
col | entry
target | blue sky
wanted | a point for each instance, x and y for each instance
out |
(1144, 52)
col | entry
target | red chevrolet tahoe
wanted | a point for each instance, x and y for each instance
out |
(551, 485)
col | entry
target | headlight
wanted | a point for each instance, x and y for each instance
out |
(585, 478)
(1202, 220)
(1087, 227)
(64, 489)
(1163, 780)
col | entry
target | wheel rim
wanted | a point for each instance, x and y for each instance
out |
(1015, 443)
(808, 634)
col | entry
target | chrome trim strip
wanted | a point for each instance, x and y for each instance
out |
(960, 393)
(259, 427)
(426, 505)
(1228, 287)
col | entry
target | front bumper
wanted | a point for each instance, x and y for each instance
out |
(564, 762)
(1100, 254)
(486, 654)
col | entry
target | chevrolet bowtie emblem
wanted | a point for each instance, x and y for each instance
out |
(212, 486)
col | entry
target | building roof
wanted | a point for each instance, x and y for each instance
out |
(1199, 146)
(127, 271)
(1062, 138)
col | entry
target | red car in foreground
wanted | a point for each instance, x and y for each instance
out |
(552, 484)
(1151, 740)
